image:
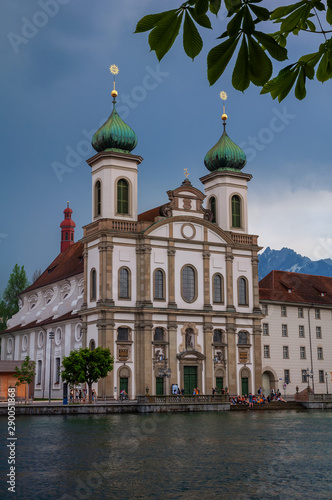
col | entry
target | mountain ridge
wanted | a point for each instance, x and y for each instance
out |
(288, 260)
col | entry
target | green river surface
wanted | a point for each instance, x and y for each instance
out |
(228, 455)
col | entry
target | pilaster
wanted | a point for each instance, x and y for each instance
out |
(229, 280)
(206, 270)
(254, 262)
(231, 357)
(257, 353)
(172, 352)
(208, 337)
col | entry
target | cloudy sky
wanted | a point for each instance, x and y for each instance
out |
(56, 92)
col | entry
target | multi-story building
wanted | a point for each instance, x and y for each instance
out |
(173, 292)
(296, 331)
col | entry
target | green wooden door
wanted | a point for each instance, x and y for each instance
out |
(190, 379)
(159, 386)
(124, 384)
(245, 386)
(219, 383)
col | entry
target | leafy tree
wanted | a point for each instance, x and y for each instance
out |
(36, 274)
(26, 373)
(86, 366)
(17, 282)
(255, 49)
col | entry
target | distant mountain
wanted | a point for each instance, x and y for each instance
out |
(288, 260)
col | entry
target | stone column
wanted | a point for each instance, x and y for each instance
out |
(229, 280)
(171, 277)
(208, 337)
(257, 354)
(256, 304)
(231, 357)
(147, 274)
(206, 268)
(105, 270)
(105, 325)
(172, 352)
(85, 259)
(143, 353)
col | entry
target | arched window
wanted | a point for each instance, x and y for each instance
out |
(243, 291)
(72, 237)
(66, 236)
(217, 336)
(93, 285)
(243, 337)
(213, 208)
(92, 345)
(218, 289)
(188, 283)
(158, 335)
(123, 334)
(97, 198)
(123, 197)
(159, 285)
(124, 283)
(236, 211)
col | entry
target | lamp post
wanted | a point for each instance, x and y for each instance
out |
(165, 372)
(51, 337)
(327, 383)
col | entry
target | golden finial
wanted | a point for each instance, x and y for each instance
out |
(186, 173)
(223, 97)
(114, 70)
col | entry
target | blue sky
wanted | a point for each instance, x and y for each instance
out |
(56, 90)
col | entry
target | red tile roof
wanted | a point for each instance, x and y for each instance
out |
(47, 321)
(66, 264)
(282, 286)
(149, 215)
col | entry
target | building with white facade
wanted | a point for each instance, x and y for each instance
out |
(173, 292)
(296, 332)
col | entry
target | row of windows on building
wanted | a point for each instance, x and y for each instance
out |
(57, 365)
(284, 331)
(236, 210)
(283, 311)
(122, 203)
(189, 288)
(124, 335)
(285, 352)
(322, 377)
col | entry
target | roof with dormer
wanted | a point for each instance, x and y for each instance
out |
(283, 286)
(66, 264)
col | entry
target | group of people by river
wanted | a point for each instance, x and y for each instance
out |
(252, 399)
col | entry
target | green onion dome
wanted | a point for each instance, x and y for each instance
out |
(225, 155)
(114, 135)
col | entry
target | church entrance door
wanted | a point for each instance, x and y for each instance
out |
(245, 386)
(159, 386)
(124, 384)
(189, 379)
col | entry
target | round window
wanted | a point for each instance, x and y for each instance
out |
(40, 340)
(25, 342)
(58, 335)
(78, 333)
(9, 345)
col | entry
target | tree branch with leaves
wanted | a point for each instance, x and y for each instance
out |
(252, 50)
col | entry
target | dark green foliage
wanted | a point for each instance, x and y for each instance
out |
(257, 49)
(17, 282)
(86, 366)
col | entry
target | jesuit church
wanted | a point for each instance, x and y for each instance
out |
(173, 292)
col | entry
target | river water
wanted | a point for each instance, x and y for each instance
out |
(226, 455)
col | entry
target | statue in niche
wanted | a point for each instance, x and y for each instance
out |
(189, 339)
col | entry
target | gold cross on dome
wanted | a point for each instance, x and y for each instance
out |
(186, 173)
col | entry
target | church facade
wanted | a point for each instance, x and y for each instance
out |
(173, 292)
